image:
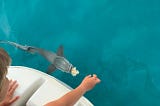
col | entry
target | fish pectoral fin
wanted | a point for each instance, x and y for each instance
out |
(60, 51)
(51, 69)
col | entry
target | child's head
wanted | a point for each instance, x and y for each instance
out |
(5, 61)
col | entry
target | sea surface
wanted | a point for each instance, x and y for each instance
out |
(119, 40)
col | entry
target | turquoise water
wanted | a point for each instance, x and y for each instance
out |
(117, 40)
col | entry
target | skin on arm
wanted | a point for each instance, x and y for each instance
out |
(9, 99)
(73, 96)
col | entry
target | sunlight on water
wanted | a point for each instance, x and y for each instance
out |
(4, 26)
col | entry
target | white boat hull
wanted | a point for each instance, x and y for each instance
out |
(37, 88)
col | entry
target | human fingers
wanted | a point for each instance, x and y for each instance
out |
(88, 76)
(13, 99)
(12, 89)
(95, 79)
(11, 84)
(98, 80)
(10, 81)
(94, 75)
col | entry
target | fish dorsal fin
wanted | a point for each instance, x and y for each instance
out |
(60, 51)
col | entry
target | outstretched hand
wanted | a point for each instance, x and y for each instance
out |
(9, 99)
(73, 96)
(89, 82)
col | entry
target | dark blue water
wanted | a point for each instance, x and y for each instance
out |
(116, 39)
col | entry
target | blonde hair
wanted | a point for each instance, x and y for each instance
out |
(5, 61)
